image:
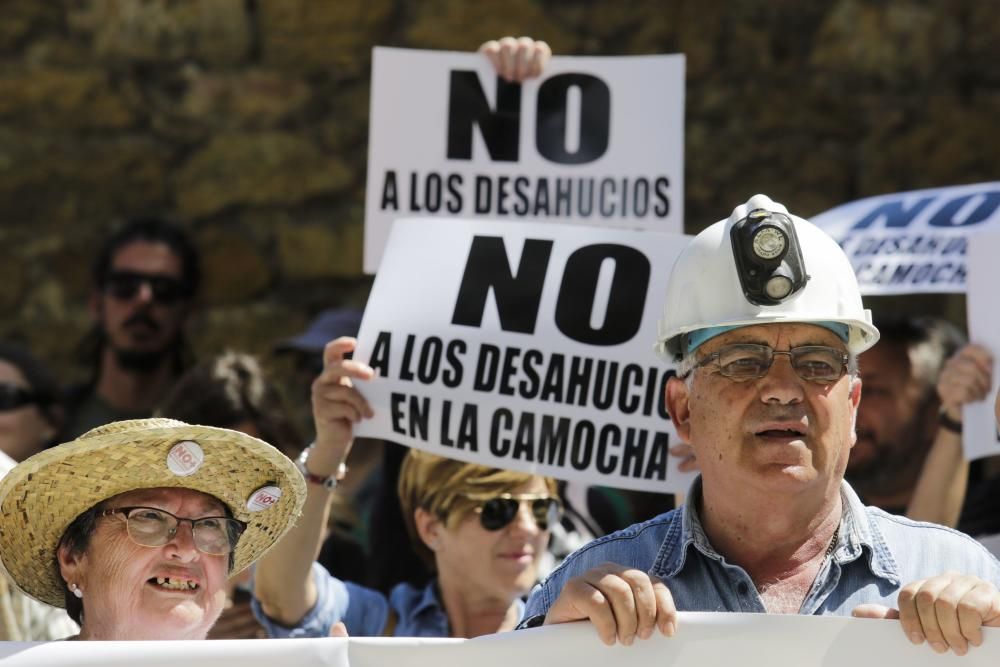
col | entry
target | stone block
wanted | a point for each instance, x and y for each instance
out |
(64, 99)
(320, 250)
(151, 31)
(235, 269)
(319, 36)
(270, 168)
(248, 99)
(69, 178)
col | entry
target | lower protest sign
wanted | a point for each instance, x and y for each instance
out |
(524, 346)
(702, 639)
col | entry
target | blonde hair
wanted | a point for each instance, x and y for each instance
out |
(439, 486)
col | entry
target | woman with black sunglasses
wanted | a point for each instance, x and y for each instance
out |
(31, 411)
(481, 530)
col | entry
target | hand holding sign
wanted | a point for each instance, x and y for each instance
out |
(337, 406)
(965, 378)
(517, 59)
(621, 602)
(949, 611)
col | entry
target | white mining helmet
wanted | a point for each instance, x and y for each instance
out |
(761, 265)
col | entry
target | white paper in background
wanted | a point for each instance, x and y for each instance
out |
(556, 376)
(702, 639)
(617, 122)
(913, 242)
(979, 432)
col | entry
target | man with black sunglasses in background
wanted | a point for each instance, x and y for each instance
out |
(145, 278)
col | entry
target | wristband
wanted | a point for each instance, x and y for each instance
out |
(329, 483)
(949, 424)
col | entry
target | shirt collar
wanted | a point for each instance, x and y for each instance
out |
(428, 601)
(856, 532)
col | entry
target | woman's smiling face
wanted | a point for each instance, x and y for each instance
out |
(131, 591)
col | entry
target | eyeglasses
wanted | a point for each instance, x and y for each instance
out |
(152, 527)
(496, 512)
(126, 285)
(12, 397)
(749, 361)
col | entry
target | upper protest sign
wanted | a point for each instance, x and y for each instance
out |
(913, 242)
(524, 346)
(594, 141)
(980, 436)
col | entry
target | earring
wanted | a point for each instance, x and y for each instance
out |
(76, 591)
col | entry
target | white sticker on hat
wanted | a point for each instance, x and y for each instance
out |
(263, 498)
(185, 458)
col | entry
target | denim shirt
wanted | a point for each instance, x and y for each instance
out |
(364, 611)
(419, 613)
(876, 554)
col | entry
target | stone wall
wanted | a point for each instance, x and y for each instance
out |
(248, 120)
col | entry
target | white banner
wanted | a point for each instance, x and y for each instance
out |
(913, 242)
(979, 433)
(702, 639)
(595, 141)
(524, 346)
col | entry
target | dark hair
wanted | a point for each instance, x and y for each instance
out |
(76, 538)
(39, 378)
(928, 341)
(230, 389)
(153, 229)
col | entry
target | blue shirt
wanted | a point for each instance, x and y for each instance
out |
(876, 554)
(419, 612)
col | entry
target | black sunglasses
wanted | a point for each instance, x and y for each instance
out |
(12, 397)
(126, 285)
(496, 512)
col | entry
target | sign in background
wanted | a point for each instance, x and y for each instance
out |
(980, 437)
(595, 141)
(524, 346)
(702, 639)
(913, 242)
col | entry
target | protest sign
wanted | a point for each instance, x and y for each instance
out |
(913, 242)
(702, 639)
(595, 141)
(979, 434)
(524, 346)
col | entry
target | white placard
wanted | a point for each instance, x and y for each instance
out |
(524, 346)
(594, 140)
(979, 433)
(702, 639)
(913, 242)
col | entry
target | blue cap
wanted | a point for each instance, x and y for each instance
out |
(694, 339)
(329, 324)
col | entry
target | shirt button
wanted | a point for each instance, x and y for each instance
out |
(742, 588)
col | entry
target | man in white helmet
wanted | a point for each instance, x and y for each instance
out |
(764, 316)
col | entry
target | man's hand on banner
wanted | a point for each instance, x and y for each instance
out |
(517, 59)
(337, 405)
(338, 629)
(620, 602)
(948, 610)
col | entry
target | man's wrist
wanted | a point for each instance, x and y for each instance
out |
(948, 423)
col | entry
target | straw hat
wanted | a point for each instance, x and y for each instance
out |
(44, 494)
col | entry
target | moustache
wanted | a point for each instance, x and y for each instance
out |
(144, 319)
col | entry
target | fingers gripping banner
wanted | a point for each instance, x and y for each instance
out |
(524, 346)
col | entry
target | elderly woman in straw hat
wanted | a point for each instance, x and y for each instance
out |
(135, 526)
